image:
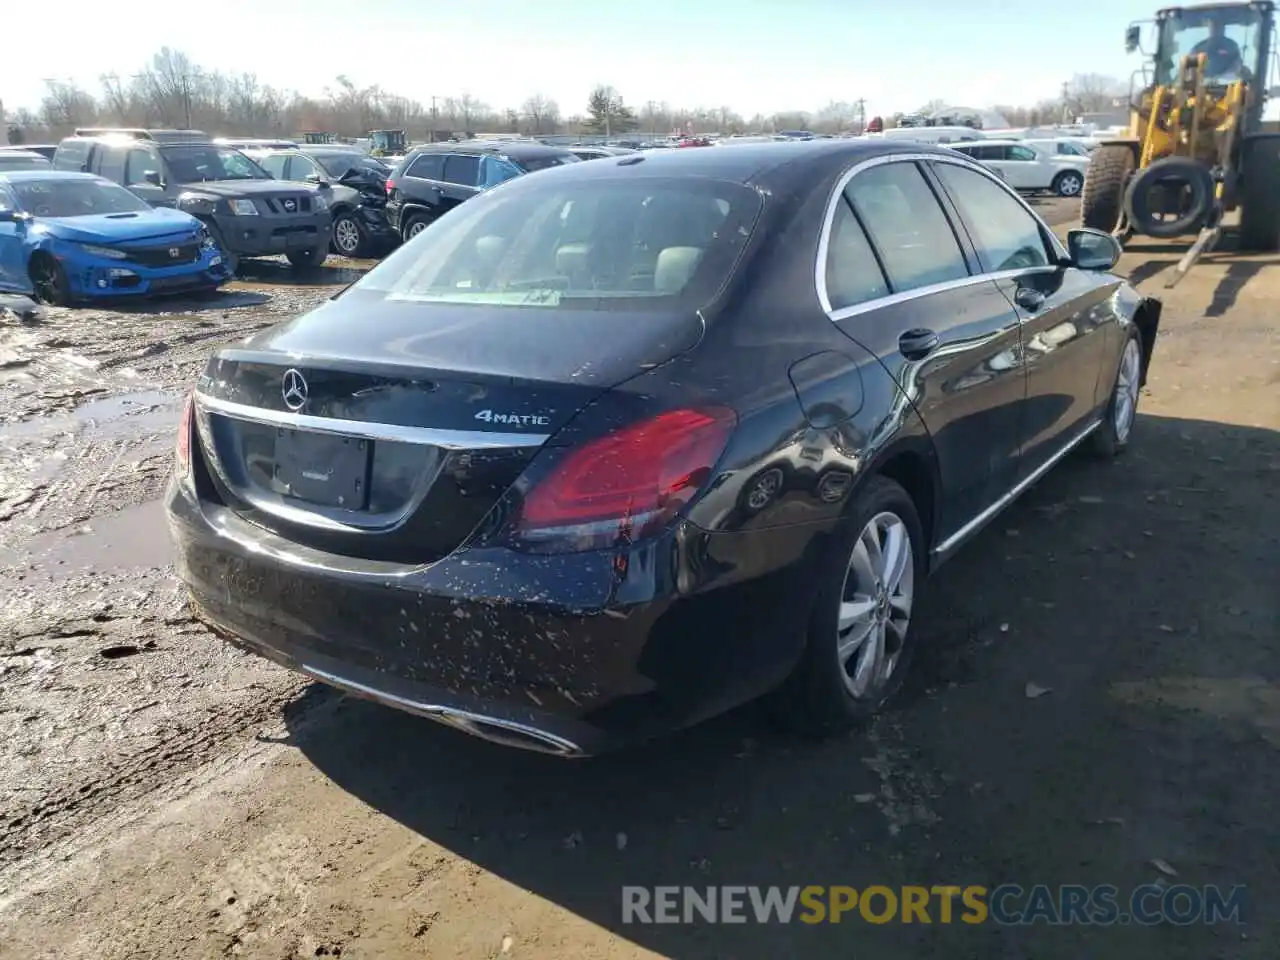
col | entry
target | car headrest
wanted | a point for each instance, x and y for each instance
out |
(489, 248)
(571, 258)
(674, 268)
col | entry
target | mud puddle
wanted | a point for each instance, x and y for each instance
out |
(128, 414)
(135, 537)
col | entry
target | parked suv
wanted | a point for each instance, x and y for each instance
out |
(358, 197)
(249, 213)
(1027, 167)
(435, 178)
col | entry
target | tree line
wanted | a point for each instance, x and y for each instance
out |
(173, 92)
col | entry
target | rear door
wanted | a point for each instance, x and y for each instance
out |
(461, 178)
(1025, 168)
(1062, 311)
(900, 282)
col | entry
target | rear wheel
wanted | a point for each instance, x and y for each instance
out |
(1102, 195)
(859, 643)
(306, 259)
(1260, 194)
(1068, 183)
(415, 226)
(49, 280)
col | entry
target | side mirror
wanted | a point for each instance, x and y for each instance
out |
(14, 216)
(153, 178)
(1132, 38)
(1093, 249)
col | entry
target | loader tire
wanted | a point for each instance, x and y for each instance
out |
(1170, 170)
(1102, 199)
(1259, 195)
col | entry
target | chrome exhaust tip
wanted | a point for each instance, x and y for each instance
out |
(508, 733)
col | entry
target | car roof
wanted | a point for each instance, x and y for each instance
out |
(20, 150)
(778, 164)
(17, 176)
(993, 142)
(510, 148)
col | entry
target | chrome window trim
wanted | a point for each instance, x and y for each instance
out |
(435, 436)
(960, 160)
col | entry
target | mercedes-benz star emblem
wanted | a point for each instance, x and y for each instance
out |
(293, 387)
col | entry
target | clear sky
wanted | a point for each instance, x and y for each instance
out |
(753, 56)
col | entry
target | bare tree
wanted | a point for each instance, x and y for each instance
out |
(541, 112)
(66, 106)
(1093, 92)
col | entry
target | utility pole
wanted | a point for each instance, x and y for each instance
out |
(435, 117)
(653, 120)
(1066, 102)
(861, 104)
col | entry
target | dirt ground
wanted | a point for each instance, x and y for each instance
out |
(162, 795)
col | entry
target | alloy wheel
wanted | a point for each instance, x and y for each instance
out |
(1070, 184)
(416, 228)
(346, 236)
(875, 605)
(1128, 383)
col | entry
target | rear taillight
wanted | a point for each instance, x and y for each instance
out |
(628, 483)
(391, 185)
(182, 454)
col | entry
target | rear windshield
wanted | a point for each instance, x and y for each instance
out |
(578, 242)
(74, 198)
(21, 161)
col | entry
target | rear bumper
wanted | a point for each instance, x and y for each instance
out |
(269, 236)
(570, 654)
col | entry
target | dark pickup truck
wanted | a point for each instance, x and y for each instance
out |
(249, 213)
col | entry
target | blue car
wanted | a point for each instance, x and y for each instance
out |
(73, 236)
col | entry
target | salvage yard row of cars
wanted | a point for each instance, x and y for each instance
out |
(68, 232)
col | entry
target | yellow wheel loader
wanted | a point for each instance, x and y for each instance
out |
(1197, 145)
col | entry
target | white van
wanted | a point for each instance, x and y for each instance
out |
(931, 134)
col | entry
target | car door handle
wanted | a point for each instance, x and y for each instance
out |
(1029, 298)
(917, 344)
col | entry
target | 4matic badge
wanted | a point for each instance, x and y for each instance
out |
(521, 419)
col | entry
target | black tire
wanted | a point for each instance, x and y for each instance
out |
(1108, 440)
(1102, 199)
(49, 281)
(414, 226)
(308, 259)
(1260, 193)
(232, 260)
(816, 700)
(1068, 183)
(1137, 201)
(347, 239)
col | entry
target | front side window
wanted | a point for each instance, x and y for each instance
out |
(908, 226)
(300, 167)
(74, 198)
(853, 273)
(137, 164)
(591, 245)
(462, 169)
(1006, 235)
(198, 162)
(274, 164)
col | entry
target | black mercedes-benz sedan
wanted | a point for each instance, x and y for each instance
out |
(613, 448)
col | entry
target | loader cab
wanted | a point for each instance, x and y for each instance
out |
(1236, 39)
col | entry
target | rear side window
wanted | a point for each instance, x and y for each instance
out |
(429, 166)
(112, 164)
(138, 164)
(908, 226)
(586, 244)
(71, 155)
(853, 273)
(462, 169)
(1022, 153)
(1007, 237)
